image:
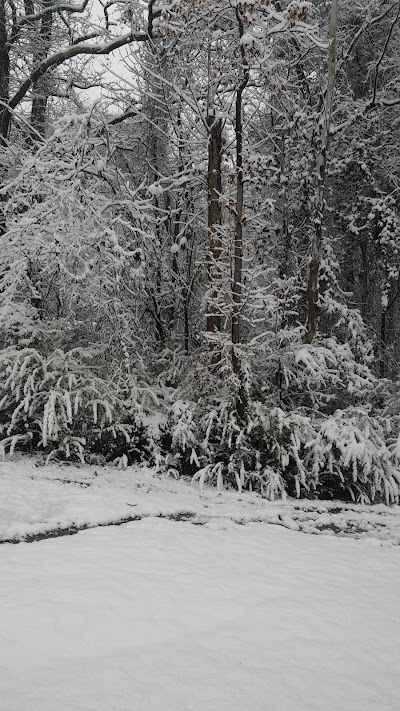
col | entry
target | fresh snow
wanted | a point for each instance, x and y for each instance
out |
(36, 500)
(159, 615)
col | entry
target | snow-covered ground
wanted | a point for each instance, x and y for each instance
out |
(164, 615)
(37, 500)
(160, 615)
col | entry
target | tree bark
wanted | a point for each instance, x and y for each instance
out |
(321, 161)
(40, 90)
(214, 187)
(239, 217)
(4, 74)
(4, 96)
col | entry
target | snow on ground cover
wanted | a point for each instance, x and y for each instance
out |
(36, 500)
(159, 615)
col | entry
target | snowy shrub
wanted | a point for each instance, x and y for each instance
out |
(330, 366)
(56, 403)
(350, 448)
(323, 375)
(279, 453)
(240, 454)
(123, 443)
(50, 399)
(272, 484)
(183, 425)
(223, 445)
(212, 473)
(332, 372)
(174, 449)
(344, 456)
(183, 433)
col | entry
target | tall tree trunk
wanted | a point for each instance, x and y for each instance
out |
(214, 187)
(239, 216)
(40, 89)
(383, 343)
(382, 359)
(284, 267)
(4, 74)
(321, 165)
(4, 97)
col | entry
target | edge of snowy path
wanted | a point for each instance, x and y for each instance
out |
(38, 502)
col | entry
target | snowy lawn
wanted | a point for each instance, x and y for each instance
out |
(38, 500)
(159, 615)
(163, 615)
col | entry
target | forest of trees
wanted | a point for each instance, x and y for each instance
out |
(200, 239)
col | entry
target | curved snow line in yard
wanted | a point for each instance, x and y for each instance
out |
(46, 502)
(191, 517)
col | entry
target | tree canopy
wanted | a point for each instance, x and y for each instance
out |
(200, 239)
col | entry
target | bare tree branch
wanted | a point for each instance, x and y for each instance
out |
(68, 53)
(392, 26)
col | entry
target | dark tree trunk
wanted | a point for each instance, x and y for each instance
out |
(40, 89)
(382, 360)
(313, 279)
(4, 75)
(4, 97)
(321, 165)
(214, 187)
(239, 217)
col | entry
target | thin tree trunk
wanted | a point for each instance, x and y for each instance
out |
(4, 97)
(40, 89)
(239, 216)
(214, 187)
(383, 344)
(284, 267)
(382, 361)
(321, 160)
(4, 75)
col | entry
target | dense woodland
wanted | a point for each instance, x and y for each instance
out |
(199, 239)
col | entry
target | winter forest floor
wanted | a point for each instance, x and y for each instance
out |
(159, 614)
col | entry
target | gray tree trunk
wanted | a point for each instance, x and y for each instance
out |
(321, 164)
